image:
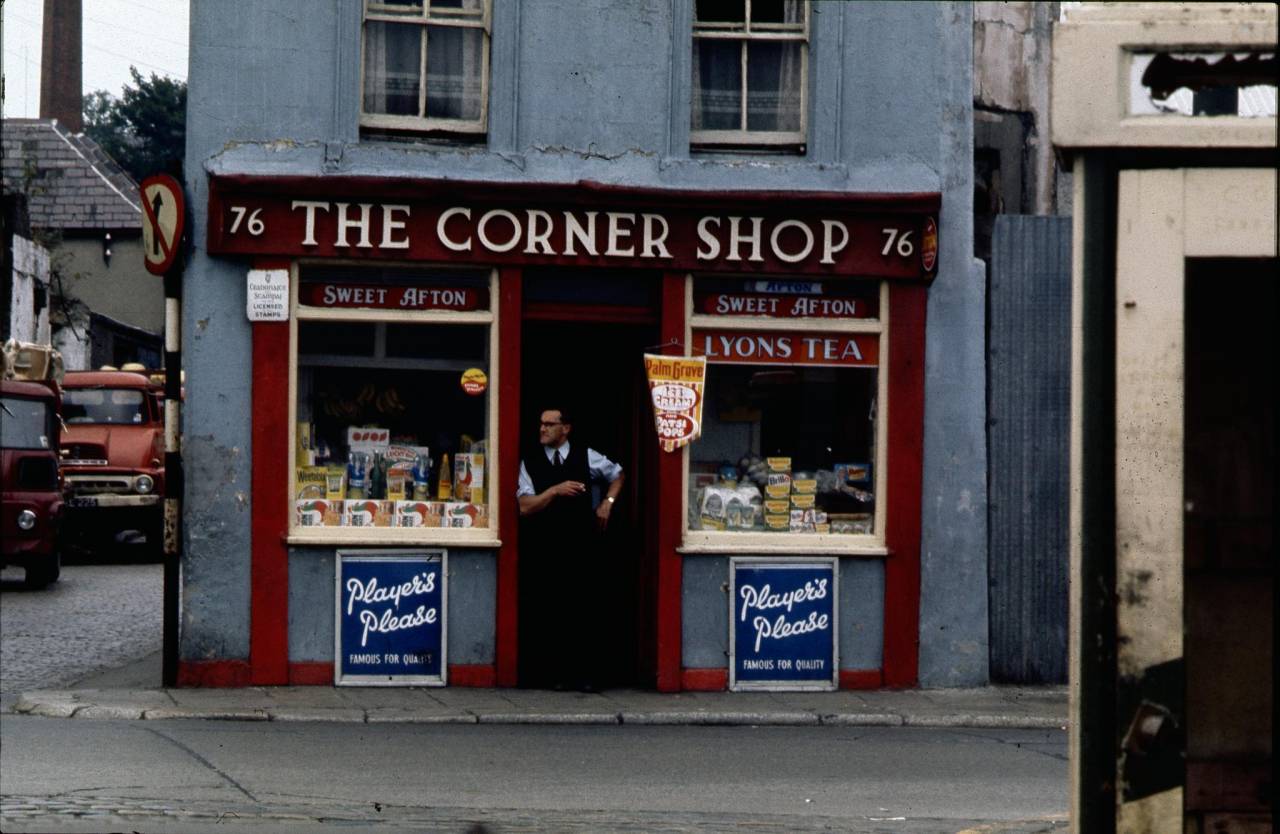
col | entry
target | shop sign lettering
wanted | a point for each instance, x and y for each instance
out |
(833, 239)
(390, 611)
(786, 306)
(783, 624)
(392, 298)
(727, 347)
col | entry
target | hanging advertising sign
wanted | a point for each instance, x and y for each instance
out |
(783, 624)
(390, 628)
(675, 388)
(743, 347)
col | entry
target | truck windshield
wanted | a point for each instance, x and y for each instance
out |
(24, 423)
(103, 405)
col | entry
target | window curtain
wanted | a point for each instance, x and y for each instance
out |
(773, 78)
(392, 62)
(772, 85)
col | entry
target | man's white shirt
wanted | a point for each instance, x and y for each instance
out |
(602, 469)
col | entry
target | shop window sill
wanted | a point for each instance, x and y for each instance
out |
(392, 537)
(796, 544)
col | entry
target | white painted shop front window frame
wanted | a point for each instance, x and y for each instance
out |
(807, 544)
(390, 536)
(447, 17)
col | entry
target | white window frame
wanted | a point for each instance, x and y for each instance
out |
(389, 536)
(766, 543)
(385, 13)
(746, 33)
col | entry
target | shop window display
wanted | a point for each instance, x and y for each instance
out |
(789, 439)
(785, 450)
(392, 423)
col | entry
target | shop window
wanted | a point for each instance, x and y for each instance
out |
(426, 65)
(791, 447)
(394, 408)
(750, 73)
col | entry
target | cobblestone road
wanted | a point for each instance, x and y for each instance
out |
(95, 617)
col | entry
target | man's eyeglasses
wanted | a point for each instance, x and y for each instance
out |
(552, 424)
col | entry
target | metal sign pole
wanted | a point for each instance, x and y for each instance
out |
(163, 220)
(172, 465)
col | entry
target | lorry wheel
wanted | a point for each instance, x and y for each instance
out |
(44, 575)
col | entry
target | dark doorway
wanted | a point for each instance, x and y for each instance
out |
(590, 357)
(1230, 535)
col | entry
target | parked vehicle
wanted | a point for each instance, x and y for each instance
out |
(31, 503)
(113, 457)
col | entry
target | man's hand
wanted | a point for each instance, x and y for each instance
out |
(602, 514)
(568, 489)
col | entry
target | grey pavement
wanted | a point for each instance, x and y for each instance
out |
(124, 693)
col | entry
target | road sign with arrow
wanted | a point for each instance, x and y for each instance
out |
(162, 216)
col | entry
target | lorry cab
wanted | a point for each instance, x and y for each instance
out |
(31, 504)
(113, 456)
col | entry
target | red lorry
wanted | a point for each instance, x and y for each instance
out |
(113, 457)
(31, 504)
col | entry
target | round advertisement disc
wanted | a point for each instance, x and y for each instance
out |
(474, 381)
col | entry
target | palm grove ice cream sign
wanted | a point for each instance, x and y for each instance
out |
(675, 389)
(887, 236)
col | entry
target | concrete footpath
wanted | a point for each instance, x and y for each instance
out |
(987, 707)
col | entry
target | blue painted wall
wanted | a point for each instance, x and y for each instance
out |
(590, 90)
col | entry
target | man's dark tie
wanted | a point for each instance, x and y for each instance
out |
(555, 458)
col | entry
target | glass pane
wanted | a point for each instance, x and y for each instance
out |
(392, 64)
(717, 85)
(773, 86)
(395, 442)
(459, 8)
(346, 339)
(103, 405)
(24, 424)
(455, 63)
(413, 7)
(467, 345)
(719, 11)
(777, 11)
(785, 449)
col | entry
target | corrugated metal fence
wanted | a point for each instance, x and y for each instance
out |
(1028, 409)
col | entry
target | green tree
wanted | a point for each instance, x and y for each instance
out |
(145, 130)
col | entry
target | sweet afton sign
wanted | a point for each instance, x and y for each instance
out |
(391, 618)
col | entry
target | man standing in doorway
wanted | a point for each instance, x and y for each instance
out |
(562, 550)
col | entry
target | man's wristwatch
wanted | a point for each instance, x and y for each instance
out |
(610, 498)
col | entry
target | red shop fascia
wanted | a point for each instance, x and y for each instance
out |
(279, 222)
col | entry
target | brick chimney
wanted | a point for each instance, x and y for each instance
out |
(60, 64)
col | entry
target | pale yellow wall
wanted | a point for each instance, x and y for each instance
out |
(125, 291)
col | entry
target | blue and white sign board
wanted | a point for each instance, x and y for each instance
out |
(391, 608)
(782, 624)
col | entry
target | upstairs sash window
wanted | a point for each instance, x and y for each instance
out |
(749, 72)
(426, 65)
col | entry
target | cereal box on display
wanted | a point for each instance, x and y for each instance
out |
(313, 512)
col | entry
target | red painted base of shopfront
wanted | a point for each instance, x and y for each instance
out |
(269, 663)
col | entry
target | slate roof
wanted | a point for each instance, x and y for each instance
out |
(71, 183)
